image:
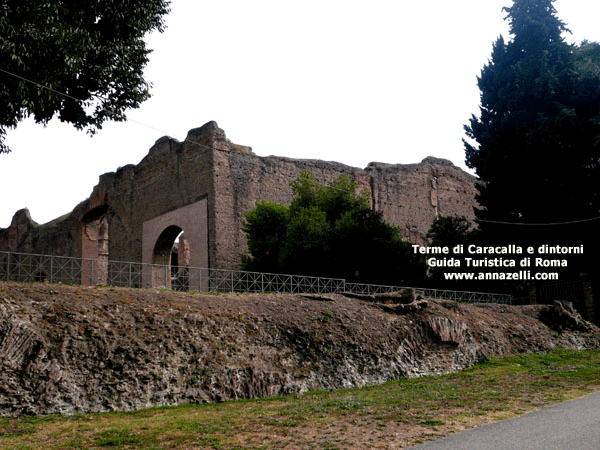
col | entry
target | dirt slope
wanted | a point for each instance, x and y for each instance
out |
(66, 349)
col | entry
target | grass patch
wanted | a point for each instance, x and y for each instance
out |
(493, 390)
(117, 438)
(432, 423)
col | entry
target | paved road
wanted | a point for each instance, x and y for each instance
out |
(572, 425)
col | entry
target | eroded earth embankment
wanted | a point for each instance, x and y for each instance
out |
(66, 349)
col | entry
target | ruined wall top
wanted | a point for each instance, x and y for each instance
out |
(232, 178)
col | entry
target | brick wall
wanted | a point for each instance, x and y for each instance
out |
(232, 179)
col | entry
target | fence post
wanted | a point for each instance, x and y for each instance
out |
(8, 267)
(51, 269)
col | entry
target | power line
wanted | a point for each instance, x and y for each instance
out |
(41, 85)
(537, 224)
(54, 91)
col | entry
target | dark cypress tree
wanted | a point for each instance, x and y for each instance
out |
(535, 145)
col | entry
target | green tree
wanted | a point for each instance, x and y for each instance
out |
(451, 231)
(306, 243)
(535, 144)
(82, 61)
(328, 231)
(267, 225)
(365, 248)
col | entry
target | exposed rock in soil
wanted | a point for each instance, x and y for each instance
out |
(70, 349)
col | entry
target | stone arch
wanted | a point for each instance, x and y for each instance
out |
(171, 259)
(159, 235)
(161, 254)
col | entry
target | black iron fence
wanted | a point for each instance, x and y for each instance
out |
(26, 267)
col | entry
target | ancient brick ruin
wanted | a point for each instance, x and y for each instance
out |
(204, 185)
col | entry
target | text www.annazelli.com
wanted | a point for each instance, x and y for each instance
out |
(520, 275)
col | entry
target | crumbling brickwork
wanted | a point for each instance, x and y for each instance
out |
(411, 196)
(229, 179)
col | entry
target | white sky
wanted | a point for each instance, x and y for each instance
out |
(349, 81)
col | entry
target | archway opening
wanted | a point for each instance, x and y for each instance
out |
(171, 259)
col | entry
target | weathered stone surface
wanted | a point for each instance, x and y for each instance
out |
(21, 231)
(232, 179)
(74, 349)
(411, 196)
(562, 315)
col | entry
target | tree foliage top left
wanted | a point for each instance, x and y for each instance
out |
(80, 61)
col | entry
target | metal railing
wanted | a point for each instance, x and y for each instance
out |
(26, 267)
